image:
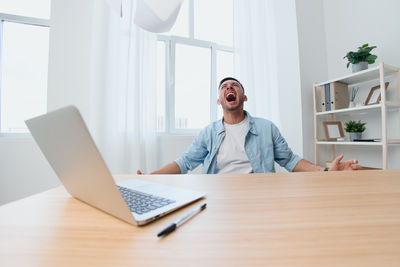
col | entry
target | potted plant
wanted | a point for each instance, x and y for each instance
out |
(355, 129)
(361, 58)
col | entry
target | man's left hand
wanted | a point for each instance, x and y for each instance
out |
(337, 165)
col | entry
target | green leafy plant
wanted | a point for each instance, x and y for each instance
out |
(363, 54)
(354, 126)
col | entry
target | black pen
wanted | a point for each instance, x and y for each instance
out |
(178, 223)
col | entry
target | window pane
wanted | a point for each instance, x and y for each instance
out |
(192, 87)
(224, 69)
(160, 86)
(224, 65)
(213, 21)
(181, 26)
(24, 74)
(28, 8)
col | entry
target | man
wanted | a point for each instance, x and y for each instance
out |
(239, 143)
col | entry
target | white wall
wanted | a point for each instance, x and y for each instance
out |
(290, 106)
(171, 147)
(313, 63)
(23, 169)
(76, 62)
(349, 24)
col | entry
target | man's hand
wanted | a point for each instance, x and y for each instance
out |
(344, 166)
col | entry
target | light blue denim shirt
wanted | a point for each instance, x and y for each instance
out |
(264, 144)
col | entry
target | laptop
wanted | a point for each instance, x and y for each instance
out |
(66, 143)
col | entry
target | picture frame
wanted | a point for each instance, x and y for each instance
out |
(333, 130)
(374, 96)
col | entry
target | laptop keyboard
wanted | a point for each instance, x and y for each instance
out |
(140, 203)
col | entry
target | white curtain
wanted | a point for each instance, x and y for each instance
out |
(255, 58)
(265, 52)
(127, 113)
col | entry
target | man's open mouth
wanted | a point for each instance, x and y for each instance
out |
(231, 97)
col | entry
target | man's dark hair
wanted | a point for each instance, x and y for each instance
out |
(230, 78)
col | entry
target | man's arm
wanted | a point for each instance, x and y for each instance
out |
(306, 166)
(171, 168)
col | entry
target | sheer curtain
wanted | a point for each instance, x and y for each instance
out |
(255, 58)
(266, 60)
(126, 116)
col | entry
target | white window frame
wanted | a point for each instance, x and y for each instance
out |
(170, 46)
(22, 20)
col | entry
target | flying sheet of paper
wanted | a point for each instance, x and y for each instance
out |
(163, 8)
(157, 15)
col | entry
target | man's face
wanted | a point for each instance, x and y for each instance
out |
(231, 96)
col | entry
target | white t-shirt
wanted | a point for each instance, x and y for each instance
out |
(231, 156)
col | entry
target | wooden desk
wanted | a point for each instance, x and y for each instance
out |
(295, 219)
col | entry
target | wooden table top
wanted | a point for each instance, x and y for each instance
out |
(283, 219)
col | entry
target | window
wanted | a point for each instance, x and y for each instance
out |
(192, 58)
(191, 86)
(24, 47)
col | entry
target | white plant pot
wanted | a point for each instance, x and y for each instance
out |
(359, 66)
(355, 136)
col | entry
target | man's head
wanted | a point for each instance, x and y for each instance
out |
(231, 94)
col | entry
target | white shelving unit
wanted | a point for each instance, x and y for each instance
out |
(379, 72)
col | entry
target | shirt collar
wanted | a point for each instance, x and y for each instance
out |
(252, 129)
(252, 125)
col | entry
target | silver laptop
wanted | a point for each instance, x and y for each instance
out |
(66, 143)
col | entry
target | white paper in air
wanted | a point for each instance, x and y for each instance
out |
(157, 15)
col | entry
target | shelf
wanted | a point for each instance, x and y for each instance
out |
(362, 76)
(370, 107)
(378, 113)
(389, 142)
(349, 143)
(390, 106)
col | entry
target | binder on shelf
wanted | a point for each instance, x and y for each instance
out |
(327, 89)
(339, 95)
(333, 96)
(322, 101)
